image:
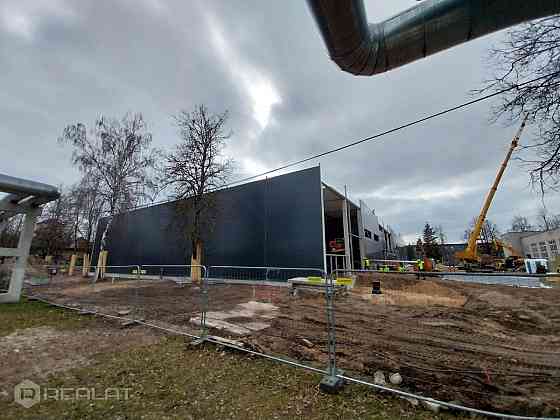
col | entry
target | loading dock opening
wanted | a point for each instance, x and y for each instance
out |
(342, 231)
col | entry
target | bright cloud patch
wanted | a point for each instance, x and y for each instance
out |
(21, 18)
(423, 193)
(260, 88)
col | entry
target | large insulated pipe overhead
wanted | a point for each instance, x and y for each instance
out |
(21, 189)
(363, 48)
(15, 185)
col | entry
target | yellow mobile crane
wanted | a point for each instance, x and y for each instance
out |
(470, 255)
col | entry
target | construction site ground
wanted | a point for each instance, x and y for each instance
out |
(485, 346)
(165, 377)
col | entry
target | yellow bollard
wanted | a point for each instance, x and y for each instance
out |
(104, 263)
(85, 267)
(196, 262)
(72, 264)
(99, 270)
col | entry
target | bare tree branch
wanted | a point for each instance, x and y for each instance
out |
(197, 167)
(530, 51)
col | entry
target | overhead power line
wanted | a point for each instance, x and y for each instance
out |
(393, 130)
(381, 134)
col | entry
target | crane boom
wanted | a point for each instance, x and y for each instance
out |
(470, 253)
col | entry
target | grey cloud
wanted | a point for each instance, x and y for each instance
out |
(91, 57)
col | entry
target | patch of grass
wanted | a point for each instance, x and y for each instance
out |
(25, 314)
(171, 380)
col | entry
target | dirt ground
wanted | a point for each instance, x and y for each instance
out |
(40, 351)
(489, 347)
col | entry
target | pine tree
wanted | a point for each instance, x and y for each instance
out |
(431, 247)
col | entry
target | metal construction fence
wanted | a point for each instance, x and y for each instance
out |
(439, 339)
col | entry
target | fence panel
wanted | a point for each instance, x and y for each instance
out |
(280, 312)
(465, 343)
(488, 346)
(161, 295)
(170, 296)
(113, 293)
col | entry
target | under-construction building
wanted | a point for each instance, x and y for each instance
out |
(292, 220)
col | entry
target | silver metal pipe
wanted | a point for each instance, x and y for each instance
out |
(17, 186)
(429, 27)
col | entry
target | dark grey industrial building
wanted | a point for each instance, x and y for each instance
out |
(285, 221)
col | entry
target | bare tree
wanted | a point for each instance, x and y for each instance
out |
(197, 167)
(442, 240)
(488, 234)
(520, 224)
(548, 221)
(419, 248)
(10, 234)
(87, 208)
(117, 154)
(529, 52)
(54, 230)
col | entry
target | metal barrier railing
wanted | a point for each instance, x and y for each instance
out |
(335, 261)
(444, 346)
(183, 275)
(251, 299)
(515, 279)
(248, 301)
(255, 274)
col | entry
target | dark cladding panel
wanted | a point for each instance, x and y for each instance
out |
(295, 233)
(275, 222)
(147, 236)
(237, 237)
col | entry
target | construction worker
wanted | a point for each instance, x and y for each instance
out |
(420, 264)
(367, 263)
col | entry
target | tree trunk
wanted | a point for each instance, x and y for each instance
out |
(196, 262)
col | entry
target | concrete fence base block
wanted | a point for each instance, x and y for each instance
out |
(332, 384)
(198, 342)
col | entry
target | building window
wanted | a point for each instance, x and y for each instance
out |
(553, 248)
(367, 233)
(376, 237)
(534, 251)
(544, 253)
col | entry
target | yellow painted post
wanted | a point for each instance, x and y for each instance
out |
(104, 263)
(98, 271)
(72, 264)
(196, 262)
(85, 268)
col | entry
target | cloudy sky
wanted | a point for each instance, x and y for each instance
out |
(68, 61)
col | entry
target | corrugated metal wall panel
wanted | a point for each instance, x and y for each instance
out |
(274, 222)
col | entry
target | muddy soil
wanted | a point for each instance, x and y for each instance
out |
(486, 346)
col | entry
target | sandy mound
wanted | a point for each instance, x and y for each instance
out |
(499, 299)
(423, 293)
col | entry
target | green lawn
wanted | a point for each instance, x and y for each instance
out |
(17, 316)
(173, 380)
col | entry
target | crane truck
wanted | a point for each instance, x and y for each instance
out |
(469, 258)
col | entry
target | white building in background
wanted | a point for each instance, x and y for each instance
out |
(380, 241)
(534, 244)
